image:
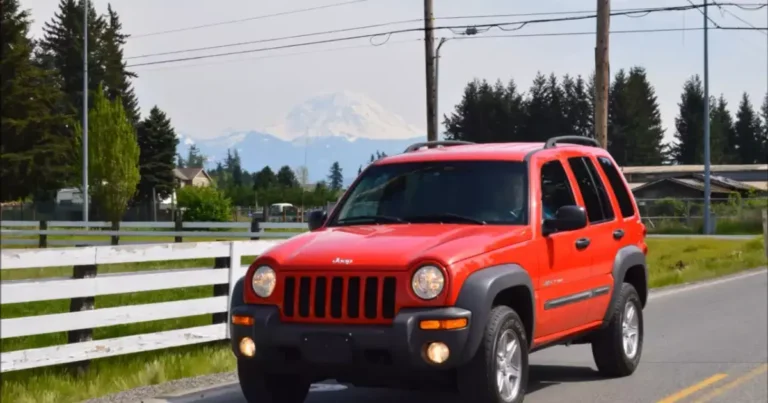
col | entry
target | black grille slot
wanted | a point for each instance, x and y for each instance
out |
(288, 298)
(321, 289)
(371, 296)
(353, 299)
(337, 296)
(305, 284)
(388, 298)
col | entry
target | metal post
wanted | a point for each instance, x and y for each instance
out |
(707, 216)
(85, 113)
(437, 82)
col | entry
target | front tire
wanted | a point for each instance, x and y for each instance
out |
(617, 347)
(498, 373)
(261, 387)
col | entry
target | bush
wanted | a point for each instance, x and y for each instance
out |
(202, 203)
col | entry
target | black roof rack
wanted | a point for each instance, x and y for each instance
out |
(571, 139)
(444, 143)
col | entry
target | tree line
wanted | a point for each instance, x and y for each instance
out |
(130, 157)
(555, 106)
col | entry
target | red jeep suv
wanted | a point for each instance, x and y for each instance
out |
(447, 266)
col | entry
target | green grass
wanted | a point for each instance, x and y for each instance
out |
(670, 261)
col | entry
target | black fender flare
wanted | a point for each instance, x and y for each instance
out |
(627, 257)
(477, 295)
(236, 299)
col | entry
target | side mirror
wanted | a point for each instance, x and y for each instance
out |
(316, 219)
(567, 218)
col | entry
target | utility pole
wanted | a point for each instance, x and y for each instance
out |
(85, 113)
(437, 81)
(707, 216)
(429, 53)
(602, 71)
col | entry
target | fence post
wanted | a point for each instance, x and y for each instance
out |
(765, 232)
(115, 227)
(255, 227)
(78, 305)
(43, 242)
(179, 226)
(219, 290)
(234, 275)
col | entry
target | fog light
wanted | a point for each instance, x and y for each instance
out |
(247, 347)
(437, 352)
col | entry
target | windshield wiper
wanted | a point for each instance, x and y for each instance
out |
(445, 218)
(372, 219)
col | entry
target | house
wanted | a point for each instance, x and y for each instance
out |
(192, 176)
(691, 186)
(754, 175)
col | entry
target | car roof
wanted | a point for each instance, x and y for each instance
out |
(486, 151)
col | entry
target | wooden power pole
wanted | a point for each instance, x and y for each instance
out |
(429, 53)
(602, 71)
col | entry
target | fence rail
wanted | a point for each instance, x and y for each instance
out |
(82, 317)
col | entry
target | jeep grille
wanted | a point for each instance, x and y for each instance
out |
(336, 297)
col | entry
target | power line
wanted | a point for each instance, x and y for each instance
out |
(479, 28)
(705, 15)
(254, 18)
(738, 18)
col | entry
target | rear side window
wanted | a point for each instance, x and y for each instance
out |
(596, 199)
(619, 189)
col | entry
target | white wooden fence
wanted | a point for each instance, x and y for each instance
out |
(20, 291)
(138, 229)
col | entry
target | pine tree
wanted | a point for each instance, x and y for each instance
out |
(688, 148)
(194, 158)
(62, 48)
(538, 126)
(748, 130)
(116, 78)
(287, 178)
(576, 106)
(157, 142)
(264, 179)
(764, 113)
(722, 134)
(487, 114)
(36, 153)
(335, 177)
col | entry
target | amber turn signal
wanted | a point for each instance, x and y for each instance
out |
(242, 320)
(445, 324)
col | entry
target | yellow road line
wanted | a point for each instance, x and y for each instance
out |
(736, 382)
(693, 389)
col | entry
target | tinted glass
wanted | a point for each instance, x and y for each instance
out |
(619, 189)
(555, 189)
(491, 192)
(592, 191)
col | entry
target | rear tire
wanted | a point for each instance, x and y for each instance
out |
(480, 380)
(617, 347)
(261, 387)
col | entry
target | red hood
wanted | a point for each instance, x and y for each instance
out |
(392, 247)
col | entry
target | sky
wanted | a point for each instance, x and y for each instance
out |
(208, 98)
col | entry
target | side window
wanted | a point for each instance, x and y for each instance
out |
(619, 189)
(592, 190)
(556, 189)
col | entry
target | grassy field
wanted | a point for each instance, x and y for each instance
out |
(671, 261)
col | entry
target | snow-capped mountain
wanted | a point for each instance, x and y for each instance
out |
(342, 114)
(344, 127)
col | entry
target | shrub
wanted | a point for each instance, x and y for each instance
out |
(203, 203)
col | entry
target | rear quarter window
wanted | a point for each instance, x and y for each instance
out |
(618, 186)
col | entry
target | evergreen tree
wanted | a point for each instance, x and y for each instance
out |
(194, 158)
(722, 134)
(689, 135)
(576, 107)
(157, 142)
(335, 177)
(116, 77)
(36, 154)
(749, 134)
(538, 126)
(62, 48)
(287, 178)
(764, 113)
(264, 179)
(487, 114)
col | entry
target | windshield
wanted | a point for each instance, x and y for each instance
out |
(471, 192)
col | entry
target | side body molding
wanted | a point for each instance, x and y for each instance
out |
(628, 257)
(481, 288)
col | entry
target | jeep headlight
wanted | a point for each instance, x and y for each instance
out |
(263, 281)
(428, 282)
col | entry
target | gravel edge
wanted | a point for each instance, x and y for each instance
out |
(154, 391)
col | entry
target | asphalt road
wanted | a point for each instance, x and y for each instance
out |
(703, 343)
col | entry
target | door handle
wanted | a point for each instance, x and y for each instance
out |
(582, 243)
(618, 234)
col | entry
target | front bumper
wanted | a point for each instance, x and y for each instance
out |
(330, 349)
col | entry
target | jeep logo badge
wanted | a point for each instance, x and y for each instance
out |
(339, 260)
